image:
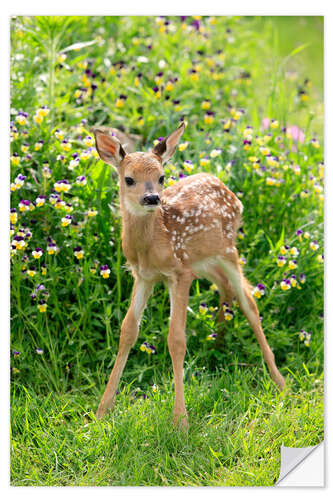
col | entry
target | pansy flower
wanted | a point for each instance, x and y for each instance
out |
(211, 336)
(40, 200)
(259, 290)
(13, 215)
(92, 212)
(81, 180)
(73, 163)
(78, 252)
(209, 117)
(315, 143)
(21, 118)
(314, 245)
(66, 221)
(46, 172)
(19, 242)
(281, 260)
(39, 144)
(24, 205)
(16, 354)
(292, 264)
(31, 271)
(66, 145)
(293, 280)
(307, 339)
(105, 271)
(284, 249)
(62, 186)
(285, 284)
(37, 253)
(204, 161)
(121, 101)
(203, 308)
(320, 258)
(88, 141)
(228, 314)
(294, 251)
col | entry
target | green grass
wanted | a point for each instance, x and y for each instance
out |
(65, 317)
(238, 422)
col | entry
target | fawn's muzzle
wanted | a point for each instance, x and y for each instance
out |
(151, 199)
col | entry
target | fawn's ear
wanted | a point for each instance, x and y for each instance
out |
(167, 147)
(108, 146)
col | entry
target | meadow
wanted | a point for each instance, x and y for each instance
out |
(252, 99)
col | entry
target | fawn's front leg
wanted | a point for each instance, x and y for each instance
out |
(129, 333)
(179, 291)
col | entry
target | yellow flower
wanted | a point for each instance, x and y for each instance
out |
(183, 146)
(38, 119)
(42, 307)
(204, 162)
(169, 86)
(205, 104)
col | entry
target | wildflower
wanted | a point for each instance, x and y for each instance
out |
(38, 118)
(88, 141)
(209, 117)
(274, 123)
(31, 271)
(270, 181)
(154, 388)
(307, 339)
(213, 287)
(40, 200)
(241, 234)
(81, 180)
(211, 336)
(21, 118)
(121, 101)
(78, 252)
(19, 243)
(66, 221)
(66, 145)
(85, 155)
(299, 233)
(320, 258)
(150, 349)
(40, 288)
(314, 245)
(24, 205)
(215, 152)
(206, 104)
(25, 147)
(228, 314)
(242, 260)
(105, 271)
(281, 260)
(37, 253)
(302, 334)
(294, 251)
(62, 186)
(39, 144)
(73, 163)
(43, 270)
(285, 284)
(246, 144)
(183, 146)
(307, 235)
(204, 161)
(292, 264)
(296, 169)
(284, 249)
(13, 215)
(259, 290)
(264, 151)
(302, 278)
(46, 172)
(43, 111)
(188, 166)
(315, 143)
(39, 351)
(92, 212)
(68, 207)
(293, 280)
(16, 354)
(203, 309)
(15, 159)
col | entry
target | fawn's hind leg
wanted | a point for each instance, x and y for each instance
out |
(227, 294)
(234, 273)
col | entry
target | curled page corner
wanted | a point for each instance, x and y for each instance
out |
(302, 466)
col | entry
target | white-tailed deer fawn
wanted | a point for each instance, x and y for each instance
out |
(175, 235)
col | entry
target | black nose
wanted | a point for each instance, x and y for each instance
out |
(151, 199)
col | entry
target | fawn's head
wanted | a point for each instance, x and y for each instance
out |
(141, 175)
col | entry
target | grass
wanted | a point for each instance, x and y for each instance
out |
(238, 422)
(65, 317)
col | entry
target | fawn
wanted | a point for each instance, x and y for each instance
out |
(175, 235)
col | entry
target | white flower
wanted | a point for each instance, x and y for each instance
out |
(161, 64)
(143, 59)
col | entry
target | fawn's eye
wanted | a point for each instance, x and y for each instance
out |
(129, 181)
(161, 179)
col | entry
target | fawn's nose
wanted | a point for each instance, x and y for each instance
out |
(151, 199)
